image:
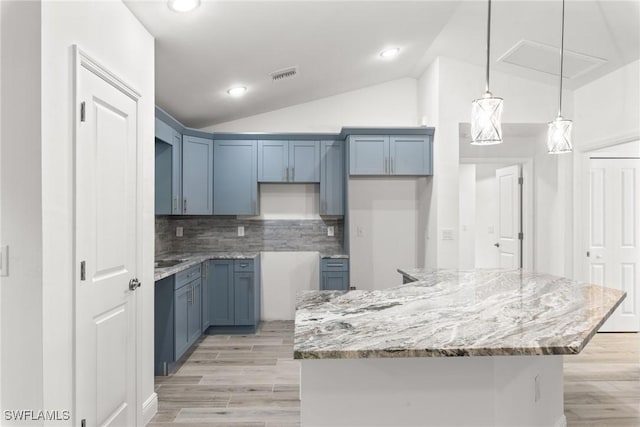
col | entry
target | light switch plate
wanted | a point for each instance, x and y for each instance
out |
(179, 232)
(330, 231)
(447, 234)
(4, 260)
(241, 231)
(359, 231)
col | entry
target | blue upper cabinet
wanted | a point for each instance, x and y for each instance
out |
(168, 170)
(197, 175)
(288, 161)
(304, 161)
(332, 178)
(369, 155)
(235, 182)
(273, 161)
(390, 155)
(410, 155)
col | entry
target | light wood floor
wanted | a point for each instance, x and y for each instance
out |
(252, 381)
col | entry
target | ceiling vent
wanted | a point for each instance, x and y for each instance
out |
(285, 73)
(546, 59)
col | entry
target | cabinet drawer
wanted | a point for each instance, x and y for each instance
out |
(241, 265)
(188, 275)
(334, 264)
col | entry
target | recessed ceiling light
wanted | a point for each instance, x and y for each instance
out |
(390, 53)
(237, 91)
(183, 5)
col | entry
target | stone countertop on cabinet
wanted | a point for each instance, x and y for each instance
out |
(454, 313)
(191, 259)
(332, 255)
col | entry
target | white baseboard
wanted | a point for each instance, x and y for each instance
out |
(149, 408)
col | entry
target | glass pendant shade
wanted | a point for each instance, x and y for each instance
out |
(559, 137)
(486, 119)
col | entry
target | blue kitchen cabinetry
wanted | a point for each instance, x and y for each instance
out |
(168, 169)
(334, 274)
(234, 295)
(332, 178)
(197, 175)
(288, 161)
(390, 155)
(178, 317)
(235, 181)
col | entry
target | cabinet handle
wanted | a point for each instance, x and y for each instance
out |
(175, 205)
(293, 173)
(393, 165)
(334, 264)
(386, 165)
(287, 173)
(190, 297)
(185, 206)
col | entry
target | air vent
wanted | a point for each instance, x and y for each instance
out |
(546, 59)
(285, 73)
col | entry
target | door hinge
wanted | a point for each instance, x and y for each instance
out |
(83, 270)
(82, 111)
(83, 423)
(520, 180)
(520, 235)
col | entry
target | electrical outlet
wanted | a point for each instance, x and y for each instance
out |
(4, 260)
(352, 288)
(447, 234)
(330, 231)
(241, 231)
(179, 232)
(491, 230)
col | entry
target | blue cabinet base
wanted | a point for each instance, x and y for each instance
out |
(231, 330)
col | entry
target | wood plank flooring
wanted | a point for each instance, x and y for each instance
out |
(253, 381)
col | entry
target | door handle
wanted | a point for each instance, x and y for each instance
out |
(497, 245)
(134, 284)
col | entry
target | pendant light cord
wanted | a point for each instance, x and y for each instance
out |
(489, 42)
(561, 61)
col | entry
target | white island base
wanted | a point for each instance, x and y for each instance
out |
(433, 391)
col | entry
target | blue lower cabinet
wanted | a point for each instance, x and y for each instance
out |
(234, 295)
(178, 317)
(334, 274)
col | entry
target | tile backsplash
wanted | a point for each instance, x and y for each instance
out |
(209, 233)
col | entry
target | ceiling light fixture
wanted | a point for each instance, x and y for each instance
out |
(237, 91)
(390, 53)
(183, 5)
(486, 112)
(559, 137)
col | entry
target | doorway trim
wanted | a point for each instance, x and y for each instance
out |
(528, 256)
(82, 60)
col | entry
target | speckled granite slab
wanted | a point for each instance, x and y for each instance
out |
(191, 259)
(454, 313)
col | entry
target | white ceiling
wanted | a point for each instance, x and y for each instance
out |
(335, 44)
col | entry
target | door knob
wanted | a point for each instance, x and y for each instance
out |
(497, 245)
(134, 284)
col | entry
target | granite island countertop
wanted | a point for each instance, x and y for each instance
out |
(454, 313)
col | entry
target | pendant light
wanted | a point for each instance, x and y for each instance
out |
(559, 137)
(486, 112)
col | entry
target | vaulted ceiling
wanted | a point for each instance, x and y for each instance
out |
(336, 45)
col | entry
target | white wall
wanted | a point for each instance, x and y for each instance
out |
(284, 274)
(291, 201)
(21, 202)
(113, 36)
(383, 230)
(458, 85)
(467, 202)
(388, 104)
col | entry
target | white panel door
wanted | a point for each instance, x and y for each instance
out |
(509, 215)
(106, 239)
(614, 236)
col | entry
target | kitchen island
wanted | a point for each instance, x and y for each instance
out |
(480, 347)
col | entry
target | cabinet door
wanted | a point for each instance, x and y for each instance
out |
(304, 161)
(244, 299)
(335, 281)
(194, 312)
(197, 175)
(410, 155)
(273, 161)
(369, 155)
(221, 292)
(182, 300)
(176, 184)
(235, 182)
(332, 178)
